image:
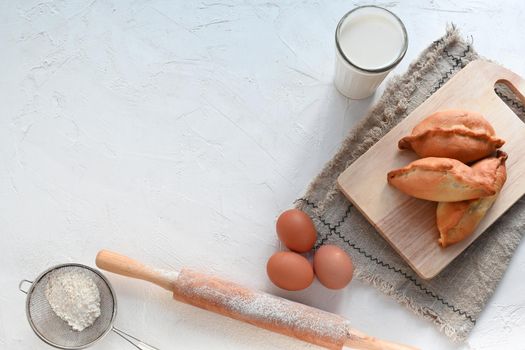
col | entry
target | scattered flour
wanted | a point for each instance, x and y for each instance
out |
(74, 297)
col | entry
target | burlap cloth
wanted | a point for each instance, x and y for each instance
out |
(454, 299)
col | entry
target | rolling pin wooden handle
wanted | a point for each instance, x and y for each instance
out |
(255, 307)
(359, 340)
(122, 265)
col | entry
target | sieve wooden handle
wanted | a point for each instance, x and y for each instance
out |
(251, 306)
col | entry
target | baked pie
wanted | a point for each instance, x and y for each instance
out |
(458, 134)
(442, 180)
(457, 220)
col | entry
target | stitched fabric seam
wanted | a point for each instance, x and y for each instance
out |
(514, 103)
(457, 62)
(382, 263)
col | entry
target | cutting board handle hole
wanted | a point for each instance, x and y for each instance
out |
(511, 96)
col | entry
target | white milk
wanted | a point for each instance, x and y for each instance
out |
(371, 41)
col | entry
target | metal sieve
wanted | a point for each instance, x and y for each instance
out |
(56, 332)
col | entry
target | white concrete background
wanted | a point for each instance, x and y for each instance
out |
(175, 132)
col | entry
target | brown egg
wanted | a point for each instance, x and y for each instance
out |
(333, 267)
(290, 271)
(296, 230)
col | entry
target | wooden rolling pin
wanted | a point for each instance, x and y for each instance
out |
(257, 308)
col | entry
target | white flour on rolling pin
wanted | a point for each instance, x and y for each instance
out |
(74, 297)
(260, 309)
(263, 310)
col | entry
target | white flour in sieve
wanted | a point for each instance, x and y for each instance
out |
(74, 297)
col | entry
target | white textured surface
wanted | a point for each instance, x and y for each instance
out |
(175, 132)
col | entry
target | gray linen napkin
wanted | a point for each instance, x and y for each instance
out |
(454, 299)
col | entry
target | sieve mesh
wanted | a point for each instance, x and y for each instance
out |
(52, 329)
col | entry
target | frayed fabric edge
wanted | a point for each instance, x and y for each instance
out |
(389, 290)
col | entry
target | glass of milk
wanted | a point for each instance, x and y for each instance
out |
(370, 41)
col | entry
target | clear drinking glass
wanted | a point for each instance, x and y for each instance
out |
(370, 41)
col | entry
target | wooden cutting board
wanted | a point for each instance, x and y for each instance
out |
(409, 224)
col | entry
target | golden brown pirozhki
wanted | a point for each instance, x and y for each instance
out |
(442, 180)
(458, 134)
(457, 220)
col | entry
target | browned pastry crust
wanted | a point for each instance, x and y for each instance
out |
(457, 220)
(458, 134)
(442, 180)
